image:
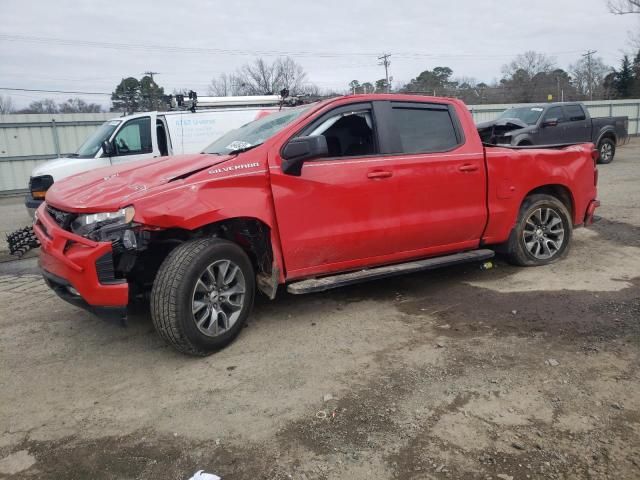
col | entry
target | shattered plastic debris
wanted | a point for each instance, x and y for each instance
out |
(202, 475)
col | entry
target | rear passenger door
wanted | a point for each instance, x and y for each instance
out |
(439, 177)
(577, 128)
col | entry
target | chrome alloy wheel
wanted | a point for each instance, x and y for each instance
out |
(218, 297)
(606, 152)
(543, 233)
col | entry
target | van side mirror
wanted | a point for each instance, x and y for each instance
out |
(107, 148)
(301, 149)
(550, 122)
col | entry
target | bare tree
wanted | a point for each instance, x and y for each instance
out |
(226, 85)
(585, 80)
(263, 78)
(624, 7)
(77, 105)
(259, 77)
(6, 105)
(48, 105)
(531, 63)
(290, 75)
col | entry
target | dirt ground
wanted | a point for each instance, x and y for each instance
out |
(462, 373)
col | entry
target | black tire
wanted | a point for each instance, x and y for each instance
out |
(172, 296)
(517, 251)
(606, 150)
(525, 143)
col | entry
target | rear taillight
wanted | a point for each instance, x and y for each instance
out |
(595, 155)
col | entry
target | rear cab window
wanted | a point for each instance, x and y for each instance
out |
(426, 128)
(574, 113)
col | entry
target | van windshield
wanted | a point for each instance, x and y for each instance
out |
(528, 115)
(92, 144)
(254, 133)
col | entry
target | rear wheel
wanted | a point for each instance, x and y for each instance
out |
(542, 233)
(202, 295)
(607, 149)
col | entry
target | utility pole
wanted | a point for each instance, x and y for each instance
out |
(151, 74)
(589, 72)
(385, 61)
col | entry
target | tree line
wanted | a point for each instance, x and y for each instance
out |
(48, 105)
(529, 77)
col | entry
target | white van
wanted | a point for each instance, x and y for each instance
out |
(149, 135)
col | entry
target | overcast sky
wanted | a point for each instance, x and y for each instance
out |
(46, 44)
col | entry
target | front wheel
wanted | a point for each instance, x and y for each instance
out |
(542, 233)
(607, 149)
(202, 295)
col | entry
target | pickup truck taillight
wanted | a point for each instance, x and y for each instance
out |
(595, 155)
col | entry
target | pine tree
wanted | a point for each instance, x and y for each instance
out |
(126, 97)
(624, 79)
(635, 89)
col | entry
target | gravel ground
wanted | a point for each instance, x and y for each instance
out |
(460, 373)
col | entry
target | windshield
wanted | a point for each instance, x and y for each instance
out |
(254, 133)
(528, 115)
(91, 146)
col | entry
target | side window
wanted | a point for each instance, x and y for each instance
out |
(425, 130)
(574, 113)
(134, 137)
(554, 112)
(348, 134)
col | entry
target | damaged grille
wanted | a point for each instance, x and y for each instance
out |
(63, 219)
(105, 270)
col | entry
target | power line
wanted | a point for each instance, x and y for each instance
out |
(221, 51)
(52, 91)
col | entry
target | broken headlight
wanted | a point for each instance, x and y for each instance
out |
(89, 224)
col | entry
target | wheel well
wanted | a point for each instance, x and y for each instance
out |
(610, 135)
(251, 234)
(523, 143)
(561, 192)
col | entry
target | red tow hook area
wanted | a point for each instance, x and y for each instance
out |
(591, 210)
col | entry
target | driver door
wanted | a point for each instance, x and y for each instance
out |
(133, 141)
(552, 135)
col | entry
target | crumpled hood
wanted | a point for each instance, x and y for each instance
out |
(506, 123)
(489, 131)
(110, 188)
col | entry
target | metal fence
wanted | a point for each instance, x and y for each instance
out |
(27, 140)
(597, 108)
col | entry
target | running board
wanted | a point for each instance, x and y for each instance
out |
(342, 279)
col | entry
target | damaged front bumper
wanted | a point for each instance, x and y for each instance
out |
(80, 270)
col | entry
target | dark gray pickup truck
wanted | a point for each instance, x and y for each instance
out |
(556, 124)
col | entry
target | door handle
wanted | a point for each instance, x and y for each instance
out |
(379, 174)
(468, 167)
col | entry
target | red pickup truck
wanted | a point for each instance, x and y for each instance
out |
(314, 197)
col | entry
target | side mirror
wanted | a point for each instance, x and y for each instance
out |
(301, 149)
(550, 122)
(107, 148)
